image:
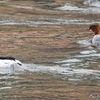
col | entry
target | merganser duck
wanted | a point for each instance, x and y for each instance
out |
(9, 61)
(96, 39)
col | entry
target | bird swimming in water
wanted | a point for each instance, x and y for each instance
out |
(95, 28)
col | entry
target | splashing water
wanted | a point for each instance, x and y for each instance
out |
(92, 3)
(93, 7)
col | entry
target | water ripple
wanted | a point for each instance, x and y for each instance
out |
(78, 66)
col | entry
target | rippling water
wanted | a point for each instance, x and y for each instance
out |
(82, 65)
(78, 67)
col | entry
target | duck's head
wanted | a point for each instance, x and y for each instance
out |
(95, 28)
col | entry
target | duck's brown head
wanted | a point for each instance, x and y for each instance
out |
(95, 28)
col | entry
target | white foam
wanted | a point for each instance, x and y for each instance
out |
(69, 7)
(73, 79)
(3, 88)
(29, 23)
(89, 55)
(94, 7)
(61, 70)
(91, 10)
(54, 70)
(93, 3)
(88, 52)
(69, 61)
(24, 7)
(85, 71)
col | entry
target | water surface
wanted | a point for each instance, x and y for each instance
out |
(81, 67)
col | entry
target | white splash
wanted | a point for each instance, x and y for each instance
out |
(92, 3)
(67, 6)
(68, 71)
(60, 70)
(93, 7)
(69, 61)
(88, 52)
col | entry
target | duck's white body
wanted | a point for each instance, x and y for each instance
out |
(5, 62)
(96, 40)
